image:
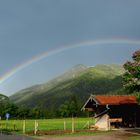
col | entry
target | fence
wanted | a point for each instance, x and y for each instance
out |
(24, 126)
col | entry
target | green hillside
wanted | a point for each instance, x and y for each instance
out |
(3, 98)
(80, 81)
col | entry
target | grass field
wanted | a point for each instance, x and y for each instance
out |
(134, 138)
(46, 124)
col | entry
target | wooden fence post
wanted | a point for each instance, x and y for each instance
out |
(72, 125)
(64, 125)
(36, 127)
(24, 126)
(88, 124)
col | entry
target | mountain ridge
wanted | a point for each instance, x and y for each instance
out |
(80, 81)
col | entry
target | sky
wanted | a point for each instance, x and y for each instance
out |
(41, 39)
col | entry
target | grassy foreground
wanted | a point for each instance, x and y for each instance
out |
(134, 138)
(45, 124)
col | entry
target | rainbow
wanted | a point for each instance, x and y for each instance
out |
(39, 57)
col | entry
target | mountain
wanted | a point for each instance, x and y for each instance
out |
(3, 98)
(80, 81)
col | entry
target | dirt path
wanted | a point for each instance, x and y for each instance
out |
(101, 137)
(118, 135)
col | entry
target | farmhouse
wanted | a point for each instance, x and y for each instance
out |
(113, 111)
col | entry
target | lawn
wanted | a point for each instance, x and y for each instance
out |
(46, 124)
(134, 138)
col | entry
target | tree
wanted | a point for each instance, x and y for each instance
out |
(7, 107)
(132, 75)
(69, 108)
(23, 112)
(64, 109)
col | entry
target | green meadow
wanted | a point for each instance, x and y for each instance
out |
(46, 124)
(134, 138)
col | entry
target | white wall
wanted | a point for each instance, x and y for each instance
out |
(102, 122)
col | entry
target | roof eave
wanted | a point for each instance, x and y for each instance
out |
(92, 97)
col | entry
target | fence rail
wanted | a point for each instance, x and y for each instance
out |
(24, 126)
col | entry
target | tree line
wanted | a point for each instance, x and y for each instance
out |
(67, 109)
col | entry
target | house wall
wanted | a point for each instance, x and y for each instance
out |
(102, 122)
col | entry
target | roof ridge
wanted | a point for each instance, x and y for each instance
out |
(116, 100)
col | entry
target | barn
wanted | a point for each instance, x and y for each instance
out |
(111, 111)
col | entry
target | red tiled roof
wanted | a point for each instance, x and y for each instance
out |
(116, 100)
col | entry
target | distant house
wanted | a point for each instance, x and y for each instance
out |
(113, 111)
